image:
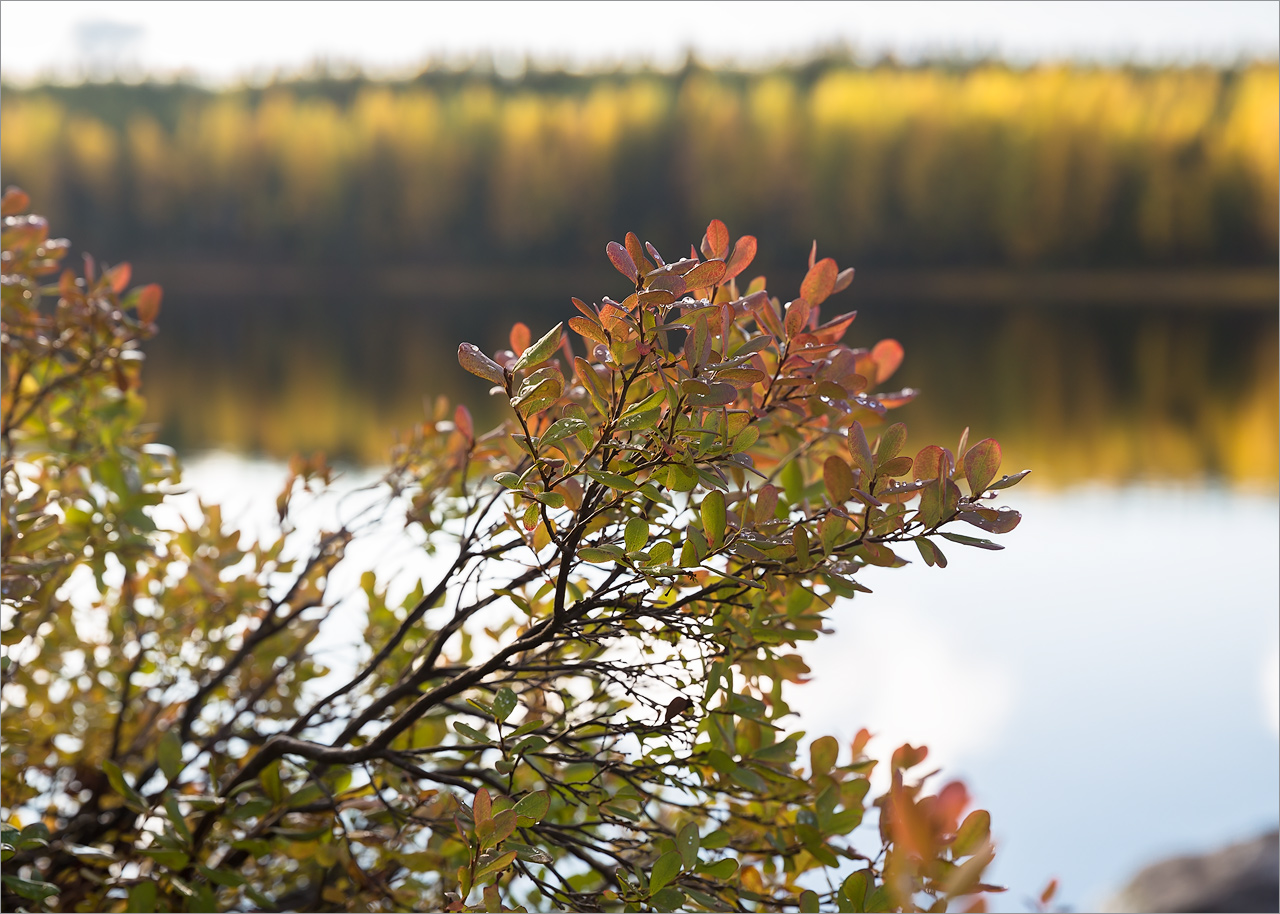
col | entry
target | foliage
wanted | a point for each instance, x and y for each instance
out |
(932, 165)
(585, 710)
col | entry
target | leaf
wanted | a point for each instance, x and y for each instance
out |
(1005, 482)
(838, 479)
(496, 865)
(30, 888)
(823, 753)
(470, 732)
(800, 539)
(809, 902)
(621, 260)
(504, 703)
(860, 453)
(713, 517)
(820, 281)
(931, 462)
(721, 869)
(473, 360)
(971, 541)
(613, 480)
(169, 753)
(142, 897)
(797, 317)
(534, 805)
(597, 556)
(715, 243)
(844, 279)
(148, 304)
(706, 275)
(665, 868)
(519, 337)
(116, 778)
(669, 899)
(931, 554)
(637, 534)
(887, 354)
(854, 889)
(993, 521)
(272, 786)
(892, 440)
(973, 833)
(687, 843)
(561, 429)
(542, 350)
(744, 251)
(980, 465)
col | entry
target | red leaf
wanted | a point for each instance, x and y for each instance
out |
(931, 462)
(797, 316)
(715, 243)
(980, 465)
(149, 303)
(462, 422)
(636, 250)
(820, 281)
(705, 275)
(118, 276)
(743, 253)
(621, 260)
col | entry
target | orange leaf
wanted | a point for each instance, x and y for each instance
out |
(149, 303)
(715, 243)
(118, 277)
(520, 338)
(820, 281)
(743, 253)
(887, 355)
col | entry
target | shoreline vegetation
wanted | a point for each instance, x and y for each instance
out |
(932, 166)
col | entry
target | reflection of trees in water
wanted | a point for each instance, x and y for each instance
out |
(1126, 392)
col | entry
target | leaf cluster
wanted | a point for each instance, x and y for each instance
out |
(584, 708)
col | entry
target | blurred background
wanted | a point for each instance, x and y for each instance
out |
(1066, 212)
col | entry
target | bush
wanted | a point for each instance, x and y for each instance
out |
(584, 711)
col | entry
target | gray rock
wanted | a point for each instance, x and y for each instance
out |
(1242, 877)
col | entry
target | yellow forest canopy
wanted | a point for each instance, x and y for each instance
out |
(932, 165)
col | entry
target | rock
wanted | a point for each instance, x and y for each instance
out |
(1242, 877)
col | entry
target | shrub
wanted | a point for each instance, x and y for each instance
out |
(585, 710)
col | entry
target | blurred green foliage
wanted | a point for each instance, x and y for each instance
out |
(934, 165)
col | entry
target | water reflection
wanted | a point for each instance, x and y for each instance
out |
(1075, 390)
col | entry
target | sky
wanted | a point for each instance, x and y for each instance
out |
(230, 41)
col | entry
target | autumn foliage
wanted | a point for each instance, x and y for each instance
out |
(585, 709)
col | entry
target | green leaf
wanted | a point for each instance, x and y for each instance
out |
(823, 752)
(508, 480)
(713, 517)
(681, 478)
(169, 859)
(550, 499)
(142, 897)
(597, 556)
(669, 899)
(931, 554)
(175, 816)
(971, 541)
(637, 534)
(892, 440)
(1005, 482)
(542, 350)
(169, 754)
(721, 869)
(809, 902)
(534, 805)
(29, 888)
(973, 833)
(271, 783)
(561, 429)
(854, 890)
(980, 465)
(116, 778)
(613, 480)
(687, 842)
(504, 703)
(860, 452)
(666, 868)
(496, 865)
(474, 735)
